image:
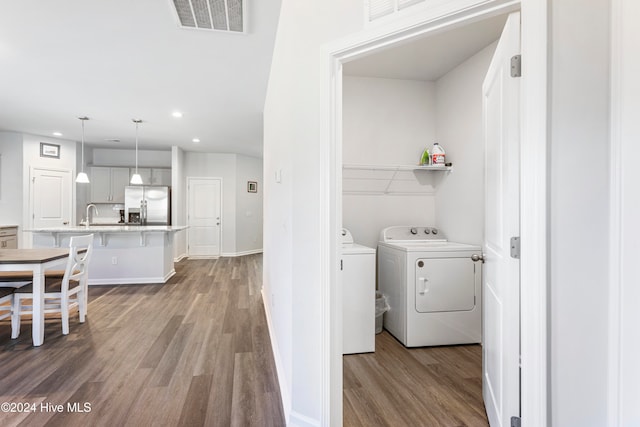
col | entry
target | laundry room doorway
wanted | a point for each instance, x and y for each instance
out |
(375, 192)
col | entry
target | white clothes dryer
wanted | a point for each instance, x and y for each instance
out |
(433, 287)
(358, 296)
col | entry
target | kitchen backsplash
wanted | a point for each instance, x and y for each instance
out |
(108, 213)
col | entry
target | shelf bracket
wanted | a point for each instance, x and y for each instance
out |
(386, 190)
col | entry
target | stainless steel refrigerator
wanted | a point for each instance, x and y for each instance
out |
(147, 205)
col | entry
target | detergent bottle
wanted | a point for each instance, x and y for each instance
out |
(437, 155)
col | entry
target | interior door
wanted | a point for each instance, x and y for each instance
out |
(50, 198)
(203, 217)
(501, 325)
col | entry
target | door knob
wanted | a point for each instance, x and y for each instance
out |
(476, 257)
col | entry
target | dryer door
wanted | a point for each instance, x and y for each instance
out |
(445, 284)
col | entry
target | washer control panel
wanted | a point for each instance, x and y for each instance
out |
(411, 234)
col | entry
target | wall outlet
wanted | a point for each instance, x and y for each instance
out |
(114, 260)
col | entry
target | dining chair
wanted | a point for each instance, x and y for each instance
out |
(6, 296)
(60, 296)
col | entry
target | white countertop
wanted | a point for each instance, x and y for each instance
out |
(111, 229)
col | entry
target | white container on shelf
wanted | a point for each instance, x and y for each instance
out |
(437, 155)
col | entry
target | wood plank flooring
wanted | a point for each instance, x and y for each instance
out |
(430, 386)
(194, 351)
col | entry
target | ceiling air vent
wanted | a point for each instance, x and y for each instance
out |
(216, 15)
(379, 8)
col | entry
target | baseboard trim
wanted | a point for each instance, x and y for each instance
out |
(132, 280)
(242, 253)
(225, 254)
(180, 258)
(284, 390)
(202, 257)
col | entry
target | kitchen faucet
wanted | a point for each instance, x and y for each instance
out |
(89, 206)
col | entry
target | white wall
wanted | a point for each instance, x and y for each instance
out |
(625, 370)
(389, 121)
(124, 157)
(11, 187)
(248, 205)
(31, 159)
(386, 122)
(241, 212)
(579, 212)
(178, 201)
(293, 207)
(578, 206)
(202, 165)
(459, 201)
(365, 216)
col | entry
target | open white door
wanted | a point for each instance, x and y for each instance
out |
(501, 308)
(203, 217)
(50, 198)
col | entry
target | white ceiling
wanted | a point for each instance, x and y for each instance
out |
(117, 60)
(429, 58)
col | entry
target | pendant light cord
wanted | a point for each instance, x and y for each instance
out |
(82, 149)
(82, 120)
(137, 122)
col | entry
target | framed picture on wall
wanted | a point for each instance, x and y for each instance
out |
(49, 150)
(252, 186)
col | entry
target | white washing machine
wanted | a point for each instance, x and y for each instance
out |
(358, 296)
(433, 287)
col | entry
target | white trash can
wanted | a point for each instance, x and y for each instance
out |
(381, 308)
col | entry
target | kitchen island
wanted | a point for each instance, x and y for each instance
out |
(122, 254)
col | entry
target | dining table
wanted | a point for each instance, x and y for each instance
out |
(36, 261)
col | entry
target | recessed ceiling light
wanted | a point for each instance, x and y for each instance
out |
(196, 140)
(177, 114)
(57, 134)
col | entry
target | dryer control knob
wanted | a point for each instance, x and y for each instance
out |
(434, 230)
(427, 231)
(414, 230)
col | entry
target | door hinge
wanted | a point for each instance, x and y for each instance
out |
(515, 421)
(341, 265)
(516, 66)
(515, 247)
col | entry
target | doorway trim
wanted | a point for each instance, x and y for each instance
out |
(533, 188)
(29, 202)
(188, 180)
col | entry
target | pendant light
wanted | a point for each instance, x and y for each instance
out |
(136, 179)
(82, 177)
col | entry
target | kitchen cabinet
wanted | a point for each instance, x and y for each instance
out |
(9, 238)
(154, 176)
(161, 176)
(107, 184)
